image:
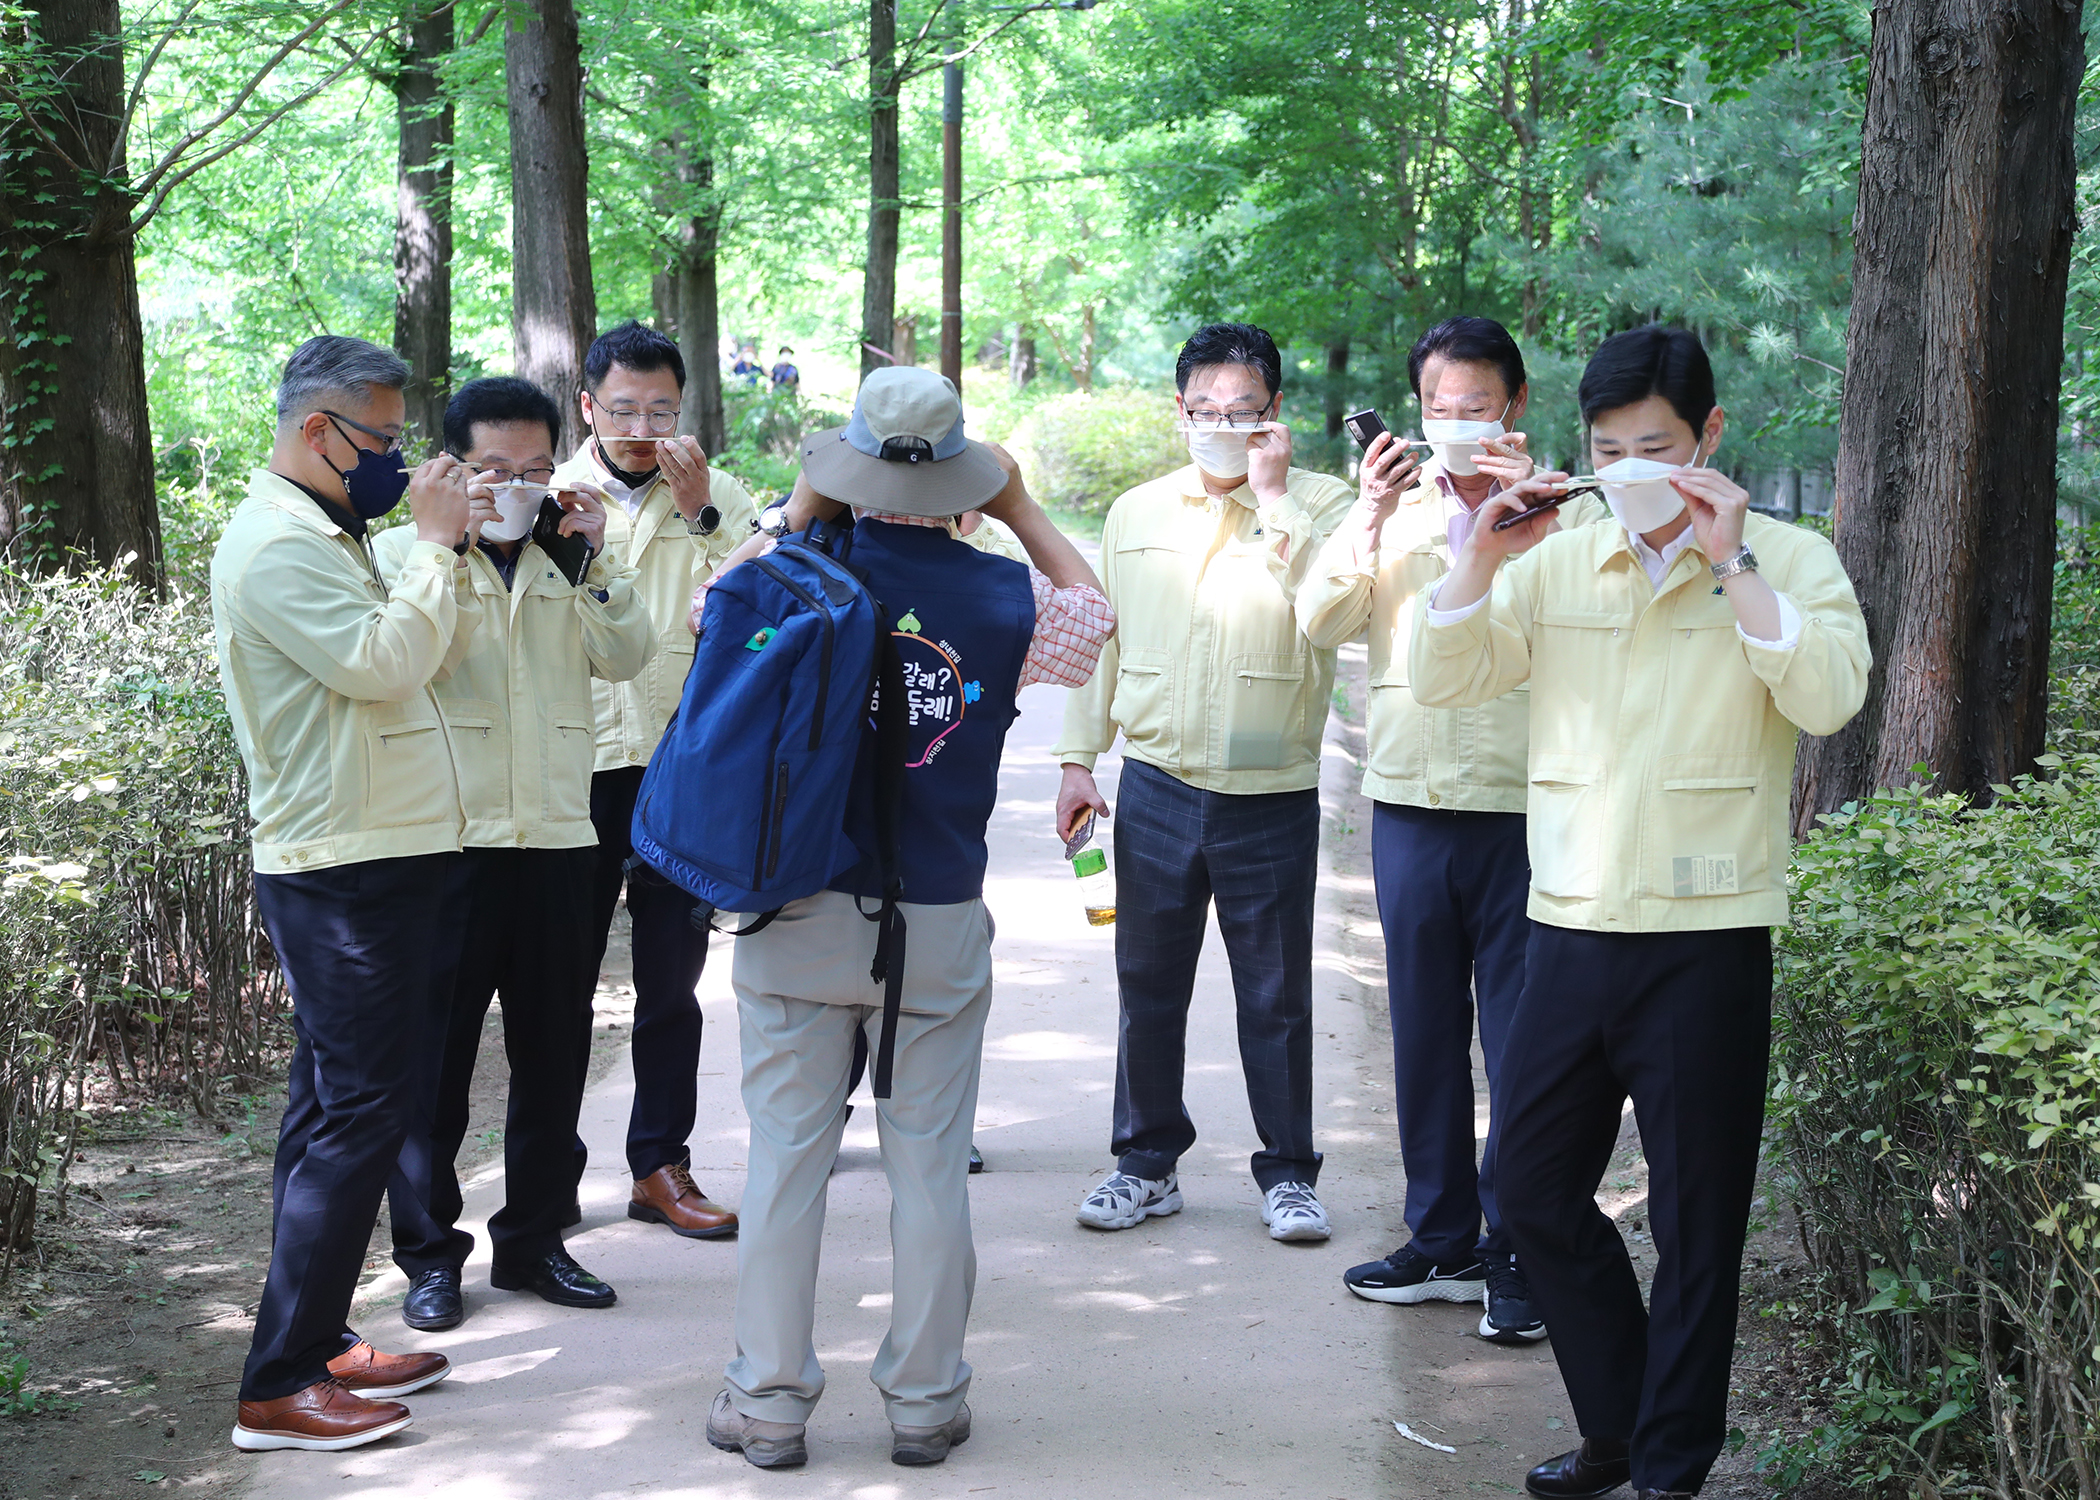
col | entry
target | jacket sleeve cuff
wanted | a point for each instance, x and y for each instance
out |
(1082, 758)
(1437, 616)
(1789, 628)
(430, 555)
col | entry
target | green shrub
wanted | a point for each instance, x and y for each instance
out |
(128, 931)
(1936, 1104)
(1080, 450)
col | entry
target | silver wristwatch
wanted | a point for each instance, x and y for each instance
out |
(773, 521)
(706, 523)
(1744, 561)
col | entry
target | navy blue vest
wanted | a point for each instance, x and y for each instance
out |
(964, 620)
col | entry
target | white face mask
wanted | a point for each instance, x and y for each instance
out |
(1640, 495)
(517, 507)
(1219, 451)
(1457, 443)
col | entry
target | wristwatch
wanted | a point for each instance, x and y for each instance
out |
(706, 522)
(1744, 561)
(773, 521)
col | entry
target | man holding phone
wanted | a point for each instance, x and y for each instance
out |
(1447, 788)
(516, 703)
(672, 521)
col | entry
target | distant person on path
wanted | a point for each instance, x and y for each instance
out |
(802, 983)
(1222, 703)
(785, 375)
(1674, 656)
(519, 706)
(326, 669)
(747, 368)
(1447, 817)
(672, 520)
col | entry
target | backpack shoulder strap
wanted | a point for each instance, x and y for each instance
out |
(890, 732)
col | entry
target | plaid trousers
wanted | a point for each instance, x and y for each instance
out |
(1177, 850)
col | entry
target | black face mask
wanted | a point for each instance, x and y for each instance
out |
(628, 477)
(376, 482)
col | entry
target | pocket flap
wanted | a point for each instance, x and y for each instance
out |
(573, 716)
(1576, 619)
(470, 713)
(1269, 667)
(1553, 768)
(1710, 784)
(1694, 772)
(403, 717)
(1143, 662)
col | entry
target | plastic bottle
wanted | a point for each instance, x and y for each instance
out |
(1097, 887)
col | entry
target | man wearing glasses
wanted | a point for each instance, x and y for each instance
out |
(1221, 702)
(671, 520)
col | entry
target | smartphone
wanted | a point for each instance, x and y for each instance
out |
(1555, 503)
(571, 554)
(1080, 834)
(1364, 426)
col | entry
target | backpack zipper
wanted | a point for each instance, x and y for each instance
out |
(780, 797)
(816, 724)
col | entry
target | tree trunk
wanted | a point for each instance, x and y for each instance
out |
(76, 444)
(878, 296)
(553, 309)
(1336, 391)
(699, 309)
(906, 334)
(423, 221)
(1946, 471)
(1020, 360)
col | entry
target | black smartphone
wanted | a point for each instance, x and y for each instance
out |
(571, 554)
(1364, 426)
(1553, 503)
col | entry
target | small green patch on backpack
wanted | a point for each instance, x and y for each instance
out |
(909, 623)
(758, 642)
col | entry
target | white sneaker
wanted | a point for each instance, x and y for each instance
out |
(1293, 1213)
(1121, 1201)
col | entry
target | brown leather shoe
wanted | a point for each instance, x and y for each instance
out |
(324, 1417)
(668, 1196)
(364, 1371)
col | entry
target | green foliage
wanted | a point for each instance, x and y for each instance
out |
(128, 932)
(1947, 959)
(1080, 450)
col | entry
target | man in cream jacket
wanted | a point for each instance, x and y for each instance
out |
(517, 705)
(670, 518)
(326, 669)
(1447, 819)
(1221, 702)
(1674, 657)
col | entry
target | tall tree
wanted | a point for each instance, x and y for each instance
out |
(553, 307)
(76, 444)
(423, 217)
(1946, 472)
(696, 295)
(878, 294)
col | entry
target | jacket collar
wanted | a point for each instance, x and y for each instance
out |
(303, 505)
(1189, 481)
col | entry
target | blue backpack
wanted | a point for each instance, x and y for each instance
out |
(744, 801)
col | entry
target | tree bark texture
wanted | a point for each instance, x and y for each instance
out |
(553, 308)
(76, 444)
(698, 300)
(878, 296)
(423, 221)
(1336, 389)
(1946, 470)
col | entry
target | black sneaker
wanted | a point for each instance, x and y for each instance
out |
(1407, 1275)
(1510, 1318)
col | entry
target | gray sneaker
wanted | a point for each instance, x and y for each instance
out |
(929, 1445)
(767, 1445)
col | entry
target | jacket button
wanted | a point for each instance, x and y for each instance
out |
(521, 840)
(1435, 800)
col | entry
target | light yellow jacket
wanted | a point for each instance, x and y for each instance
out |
(1662, 740)
(518, 703)
(1208, 676)
(1453, 759)
(327, 676)
(669, 562)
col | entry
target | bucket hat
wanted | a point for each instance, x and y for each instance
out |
(904, 450)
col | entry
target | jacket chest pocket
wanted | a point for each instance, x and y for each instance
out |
(408, 769)
(1264, 709)
(1564, 829)
(1712, 833)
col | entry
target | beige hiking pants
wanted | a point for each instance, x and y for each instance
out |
(802, 989)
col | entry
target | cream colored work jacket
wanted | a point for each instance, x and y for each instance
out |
(327, 671)
(1662, 739)
(1452, 759)
(518, 702)
(668, 562)
(1208, 676)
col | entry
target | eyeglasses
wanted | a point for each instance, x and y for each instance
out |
(518, 476)
(632, 422)
(391, 439)
(1211, 417)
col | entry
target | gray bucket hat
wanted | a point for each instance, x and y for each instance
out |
(904, 450)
